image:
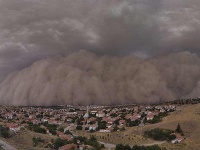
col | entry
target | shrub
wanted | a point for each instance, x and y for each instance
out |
(159, 134)
(79, 128)
(4, 132)
(61, 129)
(59, 142)
(37, 140)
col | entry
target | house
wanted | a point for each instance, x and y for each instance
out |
(136, 109)
(32, 117)
(138, 115)
(111, 121)
(13, 127)
(133, 118)
(60, 133)
(60, 122)
(93, 112)
(69, 120)
(93, 127)
(9, 116)
(35, 121)
(64, 136)
(53, 121)
(43, 120)
(104, 130)
(105, 119)
(85, 147)
(150, 116)
(100, 114)
(110, 129)
(90, 120)
(109, 125)
(162, 110)
(122, 122)
(178, 138)
(69, 147)
(128, 116)
(71, 113)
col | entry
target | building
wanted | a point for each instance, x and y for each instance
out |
(100, 114)
(69, 147)
(87, 113)
(178, 138)
(13, 127)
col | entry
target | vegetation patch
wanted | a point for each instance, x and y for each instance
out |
(136, 147)
(4, 132)
(160, 134)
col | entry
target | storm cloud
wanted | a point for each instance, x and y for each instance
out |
(32, 31)
(84, 78)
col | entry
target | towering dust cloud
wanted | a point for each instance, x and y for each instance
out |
(34, 33)
(85, 78)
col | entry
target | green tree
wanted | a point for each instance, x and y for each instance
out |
(59, 142)
(119, 147)
(37, 140)
(127, 147)
(4, 132)
(79, 128)
(93, 142)
(102, 125)
(179, 130)
(115, 128)
(61, 129)
(159, 134)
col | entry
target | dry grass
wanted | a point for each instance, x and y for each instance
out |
(117, 137)
(188, 117)
(23, 140)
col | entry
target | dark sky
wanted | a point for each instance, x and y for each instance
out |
(35, 29)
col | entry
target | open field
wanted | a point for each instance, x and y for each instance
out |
(188, 117)
(23, 140)
(118, 137)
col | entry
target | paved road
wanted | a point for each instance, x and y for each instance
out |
(154, 143)
(6, 146)
(108, 145)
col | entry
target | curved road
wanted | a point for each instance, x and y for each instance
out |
(109, 145)
(6, 146)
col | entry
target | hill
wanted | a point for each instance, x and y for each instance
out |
(188, 117)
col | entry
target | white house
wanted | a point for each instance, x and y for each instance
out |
(178, 138)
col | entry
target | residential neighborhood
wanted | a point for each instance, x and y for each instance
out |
(92, 118)
(61, 121)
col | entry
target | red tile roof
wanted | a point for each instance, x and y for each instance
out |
(68, 147)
